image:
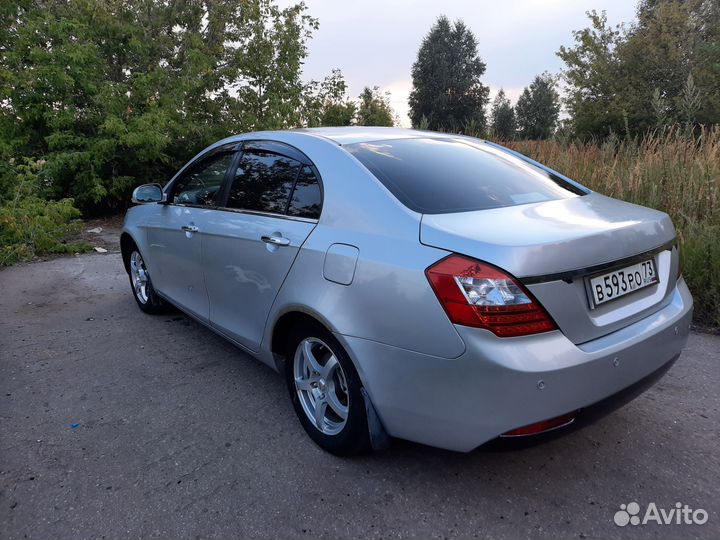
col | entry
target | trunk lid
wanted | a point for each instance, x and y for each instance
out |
(553, 247)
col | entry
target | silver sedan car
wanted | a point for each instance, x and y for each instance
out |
(432, 287)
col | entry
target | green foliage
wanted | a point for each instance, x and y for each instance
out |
(502, 117)
(30, 225)
(117, 93)
(591, 77)
(446, 79)
(538, 108)
(661, 70)
(326, 102)
(374, 108)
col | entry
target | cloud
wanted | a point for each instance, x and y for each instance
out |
(399, 93)
(511, 92)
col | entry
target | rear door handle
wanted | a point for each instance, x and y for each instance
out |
(276, 240)
(190, 228)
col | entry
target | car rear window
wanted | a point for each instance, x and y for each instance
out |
(437, 176)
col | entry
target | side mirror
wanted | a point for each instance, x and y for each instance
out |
(148, 193)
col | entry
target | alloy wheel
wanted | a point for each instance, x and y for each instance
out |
(139, 276)
(321, 386)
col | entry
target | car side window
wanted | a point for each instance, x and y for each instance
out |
(306, 199)
(201, 183)
(263, 182)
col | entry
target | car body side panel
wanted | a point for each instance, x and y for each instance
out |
(243, 274)
(388, 300)
(176, 255)
(135, 225)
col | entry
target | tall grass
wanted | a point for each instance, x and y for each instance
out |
(671, 171)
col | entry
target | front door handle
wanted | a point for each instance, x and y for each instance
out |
(189, 228)
(276, 240)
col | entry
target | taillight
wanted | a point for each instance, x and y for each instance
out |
(480, 295)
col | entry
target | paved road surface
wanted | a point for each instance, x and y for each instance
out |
(119, 424)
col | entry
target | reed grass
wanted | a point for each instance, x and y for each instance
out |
(672, 171)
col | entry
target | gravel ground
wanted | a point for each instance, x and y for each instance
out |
(119, 424)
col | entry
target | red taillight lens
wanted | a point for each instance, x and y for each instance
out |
(480, 295)
(541, 427)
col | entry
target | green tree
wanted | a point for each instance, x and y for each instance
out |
(654, 54)
(651, 73)
(113, 93)
(538, 108)
(591, 75)
(327, 104)
(374, 108)
(447, 91)
(502, 117)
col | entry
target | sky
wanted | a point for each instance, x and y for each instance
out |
(375, 42)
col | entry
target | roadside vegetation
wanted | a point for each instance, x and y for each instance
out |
(671, 171)
(98, 97)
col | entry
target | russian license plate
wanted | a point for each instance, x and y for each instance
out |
(622, 281)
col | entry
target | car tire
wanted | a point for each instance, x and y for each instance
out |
(320, 375)
(141, 285)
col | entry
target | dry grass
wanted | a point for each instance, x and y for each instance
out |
(670, 171)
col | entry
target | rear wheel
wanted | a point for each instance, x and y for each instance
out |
(145, 296)
(326, 391)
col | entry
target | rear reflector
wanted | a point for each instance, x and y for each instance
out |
(477, 294)
(542, 426)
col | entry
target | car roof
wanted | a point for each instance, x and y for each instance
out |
(360, 134)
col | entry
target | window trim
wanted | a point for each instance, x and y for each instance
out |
(274, 147)
(264, 214)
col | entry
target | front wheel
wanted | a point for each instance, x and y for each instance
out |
(145, 296)
(326, 391)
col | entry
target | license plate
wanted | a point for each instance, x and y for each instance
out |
(622, 281)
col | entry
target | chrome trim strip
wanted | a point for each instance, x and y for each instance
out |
(266, 214)
(243, 211)
(598, 268)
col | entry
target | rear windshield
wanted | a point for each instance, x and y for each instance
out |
(437, 176)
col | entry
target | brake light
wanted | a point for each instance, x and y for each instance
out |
(477, 294)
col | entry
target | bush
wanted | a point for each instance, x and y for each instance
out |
(31, 225)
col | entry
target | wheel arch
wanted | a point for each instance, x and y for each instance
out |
(297, 314)
(126, 244)
(284, 323)
(379, 438)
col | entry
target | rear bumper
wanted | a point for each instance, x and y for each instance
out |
(501, 384)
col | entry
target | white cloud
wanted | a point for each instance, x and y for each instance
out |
(512, 93)
(399, 93)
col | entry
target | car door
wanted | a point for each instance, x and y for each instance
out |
(272, 202)
(175, 232)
